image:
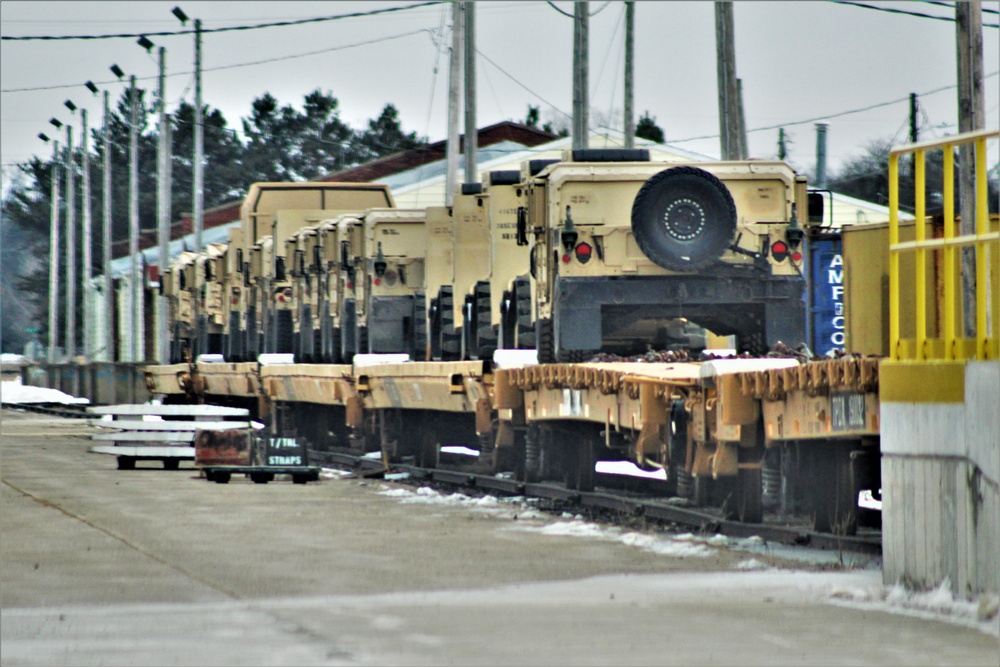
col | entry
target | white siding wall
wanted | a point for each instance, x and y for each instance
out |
(941, 488)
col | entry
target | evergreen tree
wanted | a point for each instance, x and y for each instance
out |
(648, 129)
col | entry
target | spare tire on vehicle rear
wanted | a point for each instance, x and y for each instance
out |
(683, 218)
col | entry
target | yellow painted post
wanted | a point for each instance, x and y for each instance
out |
(893, 256)
(950, 344)
(982, 216)
(919, 213)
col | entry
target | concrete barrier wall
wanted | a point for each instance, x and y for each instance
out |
(941, 488)
(104, 383)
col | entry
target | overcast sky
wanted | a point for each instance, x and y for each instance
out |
(799, 61)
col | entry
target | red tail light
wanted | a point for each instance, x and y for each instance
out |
(779, 251)
(584, 252)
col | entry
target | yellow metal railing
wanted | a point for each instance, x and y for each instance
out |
(948, 343)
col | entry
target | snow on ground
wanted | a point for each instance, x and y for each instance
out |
(13, 392)
(861, 589)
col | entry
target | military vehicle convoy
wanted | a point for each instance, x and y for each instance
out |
(601, 251)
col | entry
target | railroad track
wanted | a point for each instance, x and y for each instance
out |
(609, 500)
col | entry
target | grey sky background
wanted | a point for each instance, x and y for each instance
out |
(799, 61)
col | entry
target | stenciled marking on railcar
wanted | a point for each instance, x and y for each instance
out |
(847, 411)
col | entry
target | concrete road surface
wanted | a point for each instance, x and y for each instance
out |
(155, 567)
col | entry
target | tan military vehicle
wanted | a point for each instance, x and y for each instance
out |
(207, 295)
(180, 306)
(623, 247)
(267, 322)
(392, 313)
(233, 296)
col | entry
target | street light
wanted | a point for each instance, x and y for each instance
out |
(53, 248)
(106, 288)
(197, 175)
(70, 337)
(162, 197)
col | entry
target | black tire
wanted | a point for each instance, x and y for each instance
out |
(434, 328)
(451, 341)
(284, 333)
(221, 477)
(546, 342)
(300, 478)
(418, 328)
(482, 320)
(261, 477)
(335, 356)
(522, 314)
(171, 464)
(362, 340)
(683, 218)
(126, 463)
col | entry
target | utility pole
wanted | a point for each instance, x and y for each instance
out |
(971, 116)
(728, 93)
(54, 257)
(109, 298)
(454, 71)
(135, 318)
(821, 155)
(199, 144)
(163, 212)
(471, 131)
(70, 338)
(88, 261)
(581, 104)
(744, 150)
(629, 74)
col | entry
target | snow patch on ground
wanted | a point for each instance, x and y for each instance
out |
(13, 392)
(937, 604)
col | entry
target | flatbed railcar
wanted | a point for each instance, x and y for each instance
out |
(598, 252)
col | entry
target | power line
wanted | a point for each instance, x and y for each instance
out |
(276, 24)
(951, 5)
(234, 66)
(512, 78)
(891, 10)
(834, 115)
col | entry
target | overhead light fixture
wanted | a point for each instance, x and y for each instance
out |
(44, 137)
(69, 105)
(117, 71)
(181, 16)
(144, 42)
(91, 87)
(56, 122)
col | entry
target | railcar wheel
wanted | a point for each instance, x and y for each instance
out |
(683, 218)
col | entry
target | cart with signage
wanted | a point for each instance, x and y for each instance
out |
(261, 458)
